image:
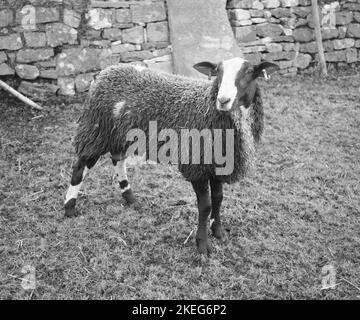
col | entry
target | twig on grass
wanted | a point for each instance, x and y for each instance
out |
(355, 286)
(188, 237)
(128, 286)
(37, 117)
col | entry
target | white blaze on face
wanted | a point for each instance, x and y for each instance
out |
(228, 90)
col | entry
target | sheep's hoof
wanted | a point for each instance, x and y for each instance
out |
(70, 208)
(129, 196)
(204, 247)
(217, 231)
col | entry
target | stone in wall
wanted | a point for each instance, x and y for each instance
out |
(72, 18)
(256, 13)
(133, 35)
(6, 70)
(281, 13)
(35, 39)
(47, 14)
(304, 3)
(83, 81)
(353, 30)
(148, 12)
(273, 47)
(155, 45)
(66, 86)
(288, 46)
(3, 57)
(37, 91)
(342, 32)
(112, 34)
(99, 18)
(334, 56)
(269, 4)
(352, 6)
(269, 30)
(245, 34)
(59, 33)
(91, 34)
(351, 55)
(122, 16)
(118, 47)
(302, 61)
(253, 58)
(11, 42)
(6, 18)
(289, 3)
(273, 56)
(32, 55)
(26, 71)
(48, 73)
(329, 34)
(136, 56)
(301, 11)
(343, 17)
(157, 32)
(239, 14)
(81, 60)
(343, 43)
(357, 16)
(303, 35)
(258, 20)
(240, 4)
(285, 64)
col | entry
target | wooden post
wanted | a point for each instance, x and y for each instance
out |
(19, 95)
(318, 37)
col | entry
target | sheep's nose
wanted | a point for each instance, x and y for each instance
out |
(223, 100)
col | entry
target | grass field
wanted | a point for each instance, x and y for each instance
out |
(298, 210)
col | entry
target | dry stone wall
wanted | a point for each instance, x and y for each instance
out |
(283, 31)
(58, 46)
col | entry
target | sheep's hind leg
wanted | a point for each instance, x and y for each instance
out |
(120, 171)
(80, 170)
(204, 206)
(216, 199)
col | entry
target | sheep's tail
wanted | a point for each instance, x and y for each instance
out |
(257, 125)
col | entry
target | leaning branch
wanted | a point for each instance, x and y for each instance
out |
(318, 37)
(20, 96)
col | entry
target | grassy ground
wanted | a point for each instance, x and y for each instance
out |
(297, 212)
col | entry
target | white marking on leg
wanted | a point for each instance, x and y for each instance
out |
(118, 107)
(73, 191)
(120, 171)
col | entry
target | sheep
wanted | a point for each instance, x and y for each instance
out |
(126, 97)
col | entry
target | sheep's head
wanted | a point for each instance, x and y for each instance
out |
(236, 80)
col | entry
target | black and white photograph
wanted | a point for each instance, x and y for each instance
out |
(198, 151)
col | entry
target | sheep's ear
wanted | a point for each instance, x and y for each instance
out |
(207, 68)
(265, 69)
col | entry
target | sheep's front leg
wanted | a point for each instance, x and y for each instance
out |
(204, 206)
(216, 199)
(80, 169)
